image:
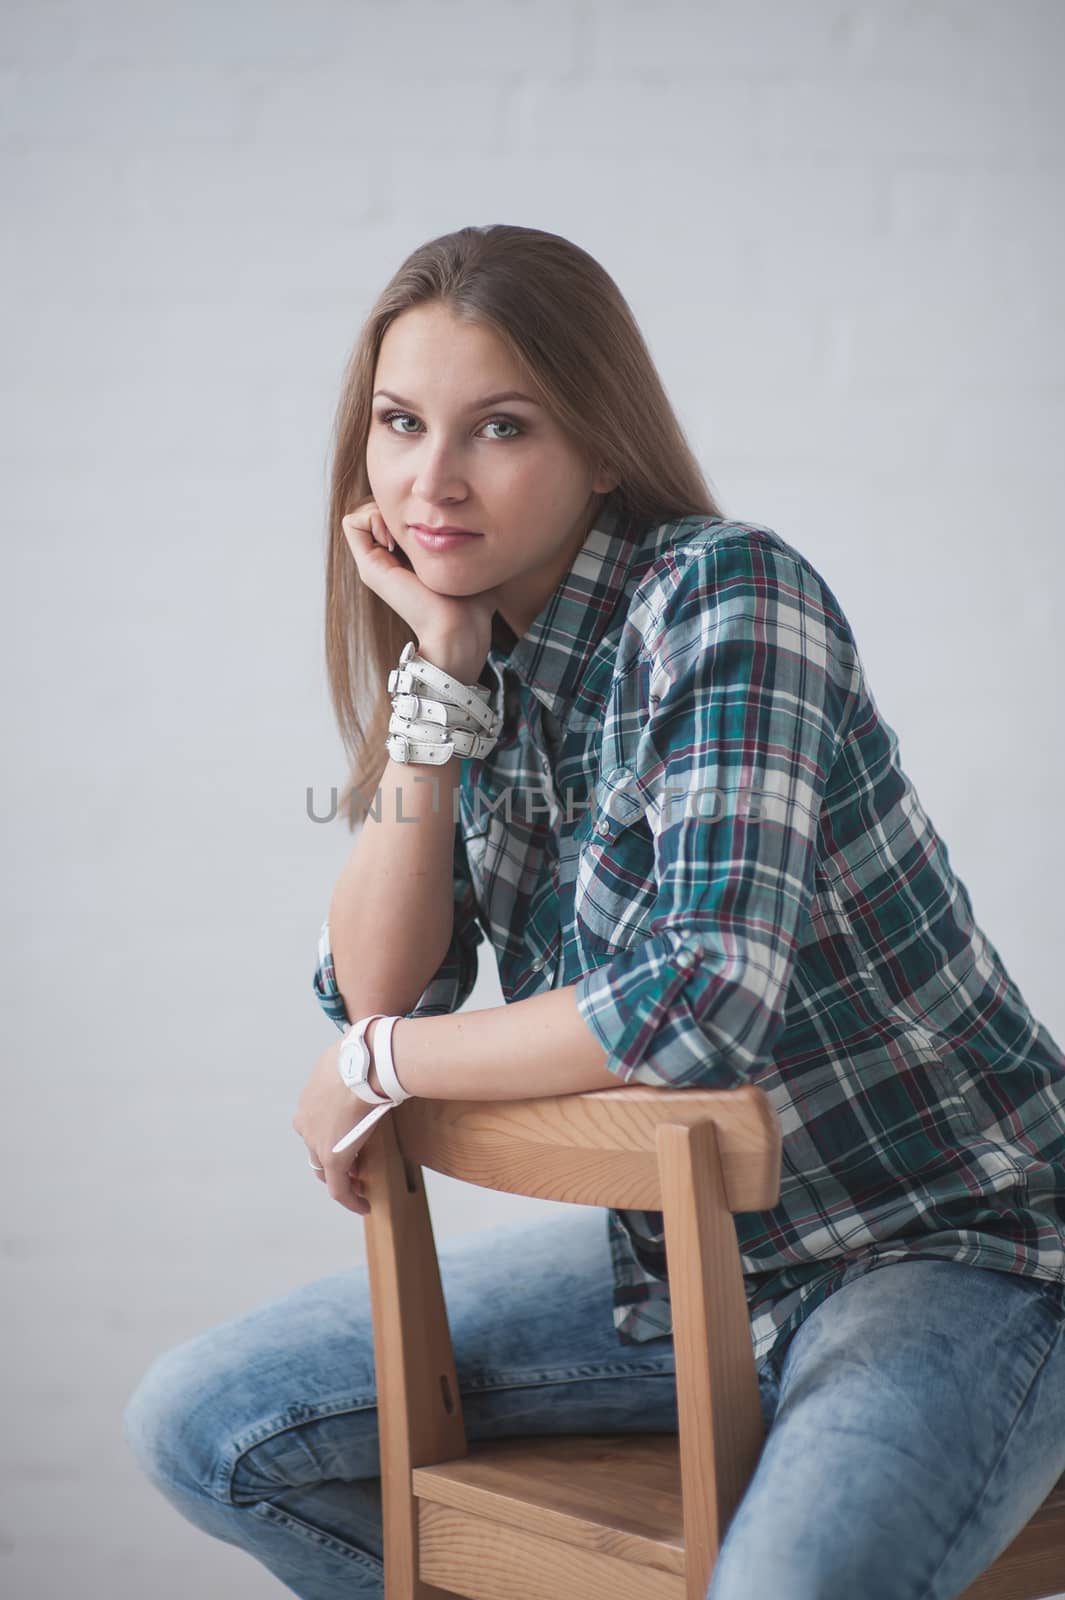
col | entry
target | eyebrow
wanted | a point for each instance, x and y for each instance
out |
(486, 400)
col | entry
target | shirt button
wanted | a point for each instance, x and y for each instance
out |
(538, 963)
(602, 826)
(688, 958)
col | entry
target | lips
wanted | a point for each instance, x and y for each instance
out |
(441, 527)
(441, 538)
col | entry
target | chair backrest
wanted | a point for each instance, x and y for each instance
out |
(696, 1155)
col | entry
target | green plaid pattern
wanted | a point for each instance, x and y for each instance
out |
(697, 815)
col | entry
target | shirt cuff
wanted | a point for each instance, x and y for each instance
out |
(640, 1007)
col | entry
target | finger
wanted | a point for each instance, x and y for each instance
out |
(338, 1182)
(381, 533)
(319, 1169)
(356, 1185)
(356, 530)
(367, 521)
(344, 1183)
(363, 542)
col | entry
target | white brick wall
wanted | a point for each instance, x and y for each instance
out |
(840, 226)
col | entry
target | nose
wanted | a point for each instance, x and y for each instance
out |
(438, 481)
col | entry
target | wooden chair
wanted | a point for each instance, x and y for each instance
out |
(603, 1517)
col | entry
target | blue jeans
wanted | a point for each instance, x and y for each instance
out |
(915, 1420)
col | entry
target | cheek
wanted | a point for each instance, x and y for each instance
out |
(374, 462)
(384, 483)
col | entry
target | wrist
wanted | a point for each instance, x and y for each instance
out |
(373, 1077)
(456, 661)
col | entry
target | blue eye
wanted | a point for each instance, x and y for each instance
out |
(387, 417)
(504, 422)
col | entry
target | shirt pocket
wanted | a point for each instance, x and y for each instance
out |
(615, 889)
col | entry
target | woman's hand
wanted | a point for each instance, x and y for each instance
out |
(326, 1111)
(455, 634)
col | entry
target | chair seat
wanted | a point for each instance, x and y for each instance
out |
(619, 1496)
(612, 1494)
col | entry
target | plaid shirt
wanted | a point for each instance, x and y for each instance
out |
(696, 813)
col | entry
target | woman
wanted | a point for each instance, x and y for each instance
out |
(683, 825)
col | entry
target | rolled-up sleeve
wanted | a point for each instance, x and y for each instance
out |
(747, 672)
(452, 983)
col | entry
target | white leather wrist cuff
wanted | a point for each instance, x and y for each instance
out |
(382, 1059)
(400, 748)
(418, 707)
(414, 671)
(455, 740)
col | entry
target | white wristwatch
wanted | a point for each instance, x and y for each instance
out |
(355, 1058)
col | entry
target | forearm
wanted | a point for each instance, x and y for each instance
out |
(522, 1051)
(391, 913)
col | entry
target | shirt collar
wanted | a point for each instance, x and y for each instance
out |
(555, 649)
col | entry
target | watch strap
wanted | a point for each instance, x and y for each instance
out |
(359, 1133)
(379, 1054)
(382, 1056)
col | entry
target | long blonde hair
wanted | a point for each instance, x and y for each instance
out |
(570, 329)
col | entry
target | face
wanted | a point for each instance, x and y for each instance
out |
(436, 454)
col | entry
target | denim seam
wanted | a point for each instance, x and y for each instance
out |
(928, 1592)
(534, 1378)
(365, 1558)
(538, 1376)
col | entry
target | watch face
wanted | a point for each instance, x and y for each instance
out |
(354, 1059)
